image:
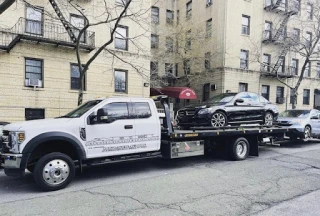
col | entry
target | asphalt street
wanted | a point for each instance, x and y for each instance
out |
(284, 180)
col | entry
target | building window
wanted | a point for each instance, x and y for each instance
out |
(244, 59)
(120, 81)
(265, 91)
(178, 16)
(154, 41)
(155, 15)
(283, 33)
(266, 62)
(296, 35)
(308, 39)
(209, 28)
(187, 66)
(282, 65)
(170, 16)
(33, 114)
(267, 30)
(307, 70)
(34, 20)
(318, 70)
(78, 22)
(169, 44)
(34, 72)
(245, 25)
(208, 3)
(188, 40)
(306, 96)
(121, 40)
(75, 78)
(189, 10)
(206, 92)
(294, 66)
(310, 11)
(153, 68)
(207, 61)
(243, 87)
(280, 95)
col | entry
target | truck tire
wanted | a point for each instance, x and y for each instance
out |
(54, 171)
(239, 149)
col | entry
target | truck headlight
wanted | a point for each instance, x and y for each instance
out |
(16, 138)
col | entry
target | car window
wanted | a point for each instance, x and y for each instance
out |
(254, 97)
(263, 100)
(295, 113)
(245, 96)
(142, 110)
(117, 111)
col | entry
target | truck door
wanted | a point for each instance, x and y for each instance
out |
(116, 136)
(147, 125)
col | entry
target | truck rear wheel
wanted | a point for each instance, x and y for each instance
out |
(54, 171)
(239, 149)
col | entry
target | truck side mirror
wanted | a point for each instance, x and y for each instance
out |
(239, 100)
(102, 116)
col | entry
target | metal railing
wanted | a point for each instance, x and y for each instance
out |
(49, 31)
(282, 71)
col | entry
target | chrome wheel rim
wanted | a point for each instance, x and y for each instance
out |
(268, 119)
(307, 133)
(218, 120)
(56, 172)
(241, 149)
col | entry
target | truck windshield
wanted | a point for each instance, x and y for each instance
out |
(76, 113)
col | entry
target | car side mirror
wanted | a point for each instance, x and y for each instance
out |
(102, 116)
(239, 100)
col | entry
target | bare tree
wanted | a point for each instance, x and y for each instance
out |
(292, 34)
(109, 17)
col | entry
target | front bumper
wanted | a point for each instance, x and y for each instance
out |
(12, 161)
(14, 164)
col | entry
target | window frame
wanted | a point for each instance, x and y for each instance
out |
(296, 36)
(309, 13)
(206, 92)
(187, 66)
(85, 78)
(126, 38)
(267, 31)
(30, 109)
(295, 72)
(169, 44)
(247, 27)
(266, 67)
(306, 100)
(209, 28)
(84, 35)
(283, 65)
(189, 12)
(207, 60)
(168, 19)
(42, 69)
(265, 95)
(307, 69)
(242, 84)
(155, 44)
(31, 20)
(126, 81)
(318, 70)
(153, 15)
(157, 67)
(281, 88)
(246, 61)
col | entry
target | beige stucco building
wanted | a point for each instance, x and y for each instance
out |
(227, 45)
(39, 77)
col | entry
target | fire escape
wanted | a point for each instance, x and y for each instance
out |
(278, 37)
(47, 32)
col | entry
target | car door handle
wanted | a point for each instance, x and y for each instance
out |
(128, 127)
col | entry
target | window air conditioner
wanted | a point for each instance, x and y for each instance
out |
(33, 83)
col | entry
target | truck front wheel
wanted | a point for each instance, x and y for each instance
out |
(54, 171)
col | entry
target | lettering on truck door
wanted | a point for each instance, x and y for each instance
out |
(147, 125)
(115, 136)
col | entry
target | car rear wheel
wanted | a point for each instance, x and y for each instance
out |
(268, 119)
(218, 119)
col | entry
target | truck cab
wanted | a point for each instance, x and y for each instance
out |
(97, 129)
